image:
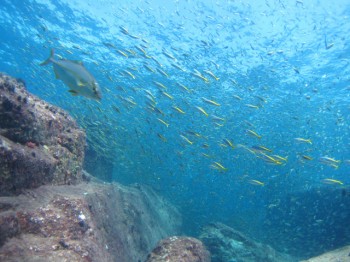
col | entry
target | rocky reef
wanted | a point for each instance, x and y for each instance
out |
(229, 245)
(52, 210)
(39, 143)
(85, 222)
(176, 249)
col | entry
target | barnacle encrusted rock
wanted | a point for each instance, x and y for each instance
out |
(85, 222)
(39, 143)
(184, 249)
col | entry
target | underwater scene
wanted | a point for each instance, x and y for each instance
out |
(235, 112)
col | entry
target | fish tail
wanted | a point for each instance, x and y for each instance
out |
(49, 60)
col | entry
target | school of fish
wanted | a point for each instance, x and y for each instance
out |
(205, 104)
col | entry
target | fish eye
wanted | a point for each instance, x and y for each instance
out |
(94, 87)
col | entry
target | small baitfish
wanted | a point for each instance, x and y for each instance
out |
(75, 76)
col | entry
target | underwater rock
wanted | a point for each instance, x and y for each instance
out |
(226, 244)
(340, 254)
(179, 249)
(39, 143)
(86, 222)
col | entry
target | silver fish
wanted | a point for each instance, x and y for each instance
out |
(75, 76)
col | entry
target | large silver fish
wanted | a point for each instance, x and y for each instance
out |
(75, 76)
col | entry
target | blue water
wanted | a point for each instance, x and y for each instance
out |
(283, 69)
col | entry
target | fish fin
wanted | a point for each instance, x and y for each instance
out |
(73, 92)
(56, 73)
(49, 60)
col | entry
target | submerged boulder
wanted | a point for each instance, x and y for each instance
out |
(85, 222)
(179, 249)
(340, 254)
(39, 143)
(229, 245)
